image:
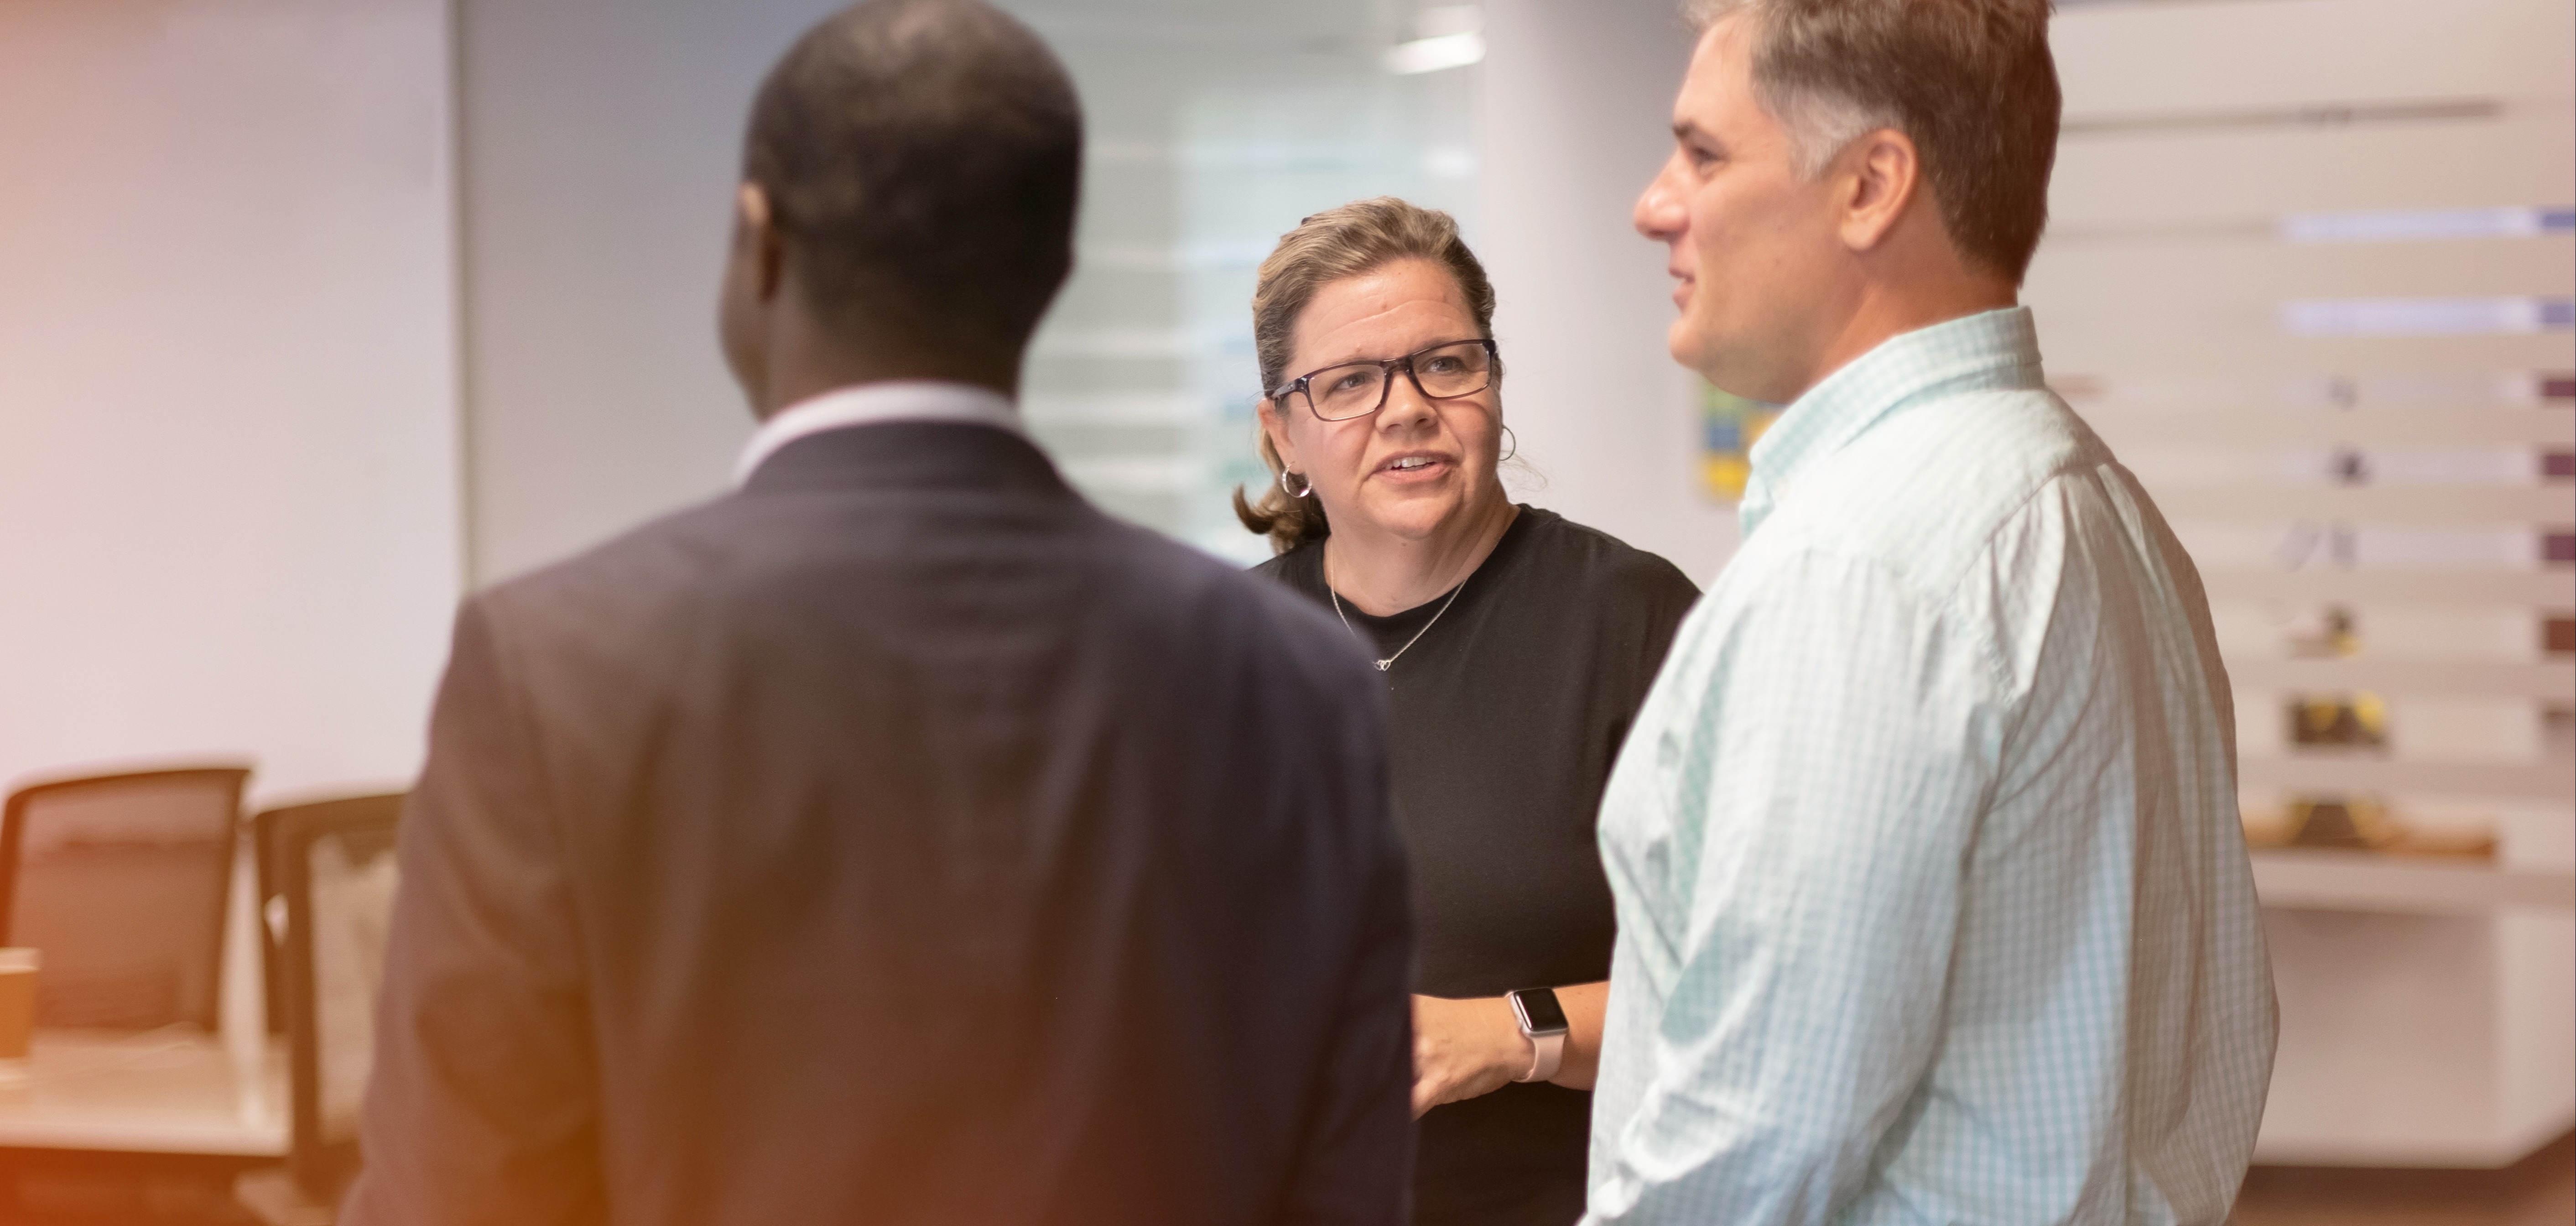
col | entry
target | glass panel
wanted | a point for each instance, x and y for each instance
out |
(1215, 126)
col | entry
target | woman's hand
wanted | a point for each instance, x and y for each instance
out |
(1464, 1048)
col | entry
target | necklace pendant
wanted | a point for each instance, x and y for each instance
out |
(1382, 665)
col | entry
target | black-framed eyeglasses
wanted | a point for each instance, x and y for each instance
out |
(1444, 371)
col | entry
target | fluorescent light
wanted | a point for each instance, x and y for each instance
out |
(1449, 162)
(2425, 316)
(2400, 225)
(1434, 54)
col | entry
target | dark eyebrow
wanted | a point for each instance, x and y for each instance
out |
(1689, 132)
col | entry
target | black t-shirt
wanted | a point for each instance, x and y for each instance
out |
(1507, 715)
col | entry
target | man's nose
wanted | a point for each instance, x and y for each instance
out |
(1658, 212)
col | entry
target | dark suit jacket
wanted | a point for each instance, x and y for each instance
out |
(897, 840)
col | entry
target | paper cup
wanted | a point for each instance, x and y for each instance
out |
(17, 1001)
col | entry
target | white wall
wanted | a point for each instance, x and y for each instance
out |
(228, 477)
(1576, 117)
(600, 144)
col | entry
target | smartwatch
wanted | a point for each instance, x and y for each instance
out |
(1543, 1024)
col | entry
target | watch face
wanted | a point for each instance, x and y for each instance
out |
(1540, 1014)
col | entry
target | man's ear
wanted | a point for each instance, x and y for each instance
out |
(1879, 175)
(755, 227)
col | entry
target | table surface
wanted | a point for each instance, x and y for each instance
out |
(175, 1091)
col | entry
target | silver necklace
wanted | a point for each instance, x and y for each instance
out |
(1383, 665)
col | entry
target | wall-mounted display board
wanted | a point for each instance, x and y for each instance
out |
(2312, 273)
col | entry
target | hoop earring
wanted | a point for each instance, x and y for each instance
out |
(1516, 444)
(1283, 486)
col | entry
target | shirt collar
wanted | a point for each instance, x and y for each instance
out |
(1988, 350)
(870, 403)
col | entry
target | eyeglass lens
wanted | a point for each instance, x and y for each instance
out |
(1360, 388)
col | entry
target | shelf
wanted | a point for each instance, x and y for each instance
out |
(2550, 589)
(2540, 679)
(2321, 880)
(2409, 504)
(2318, 427)
(2342, 774)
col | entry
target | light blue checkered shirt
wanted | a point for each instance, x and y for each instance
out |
(1933, 905)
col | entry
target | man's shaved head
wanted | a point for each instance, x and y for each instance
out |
(922, 159)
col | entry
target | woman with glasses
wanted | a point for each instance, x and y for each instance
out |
(1517, 647)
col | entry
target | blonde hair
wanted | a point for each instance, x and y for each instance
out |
(1337, 243)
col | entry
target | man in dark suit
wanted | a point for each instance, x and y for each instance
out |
(896, 839)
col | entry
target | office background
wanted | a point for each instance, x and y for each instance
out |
(315, 315)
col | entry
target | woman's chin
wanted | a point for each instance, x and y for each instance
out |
(1411, 515)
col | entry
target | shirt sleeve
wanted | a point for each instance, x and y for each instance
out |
(1668, 598)
(1824, 790)
(482, 1104)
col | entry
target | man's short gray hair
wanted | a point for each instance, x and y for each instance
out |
(1971, 82)
(1820, 125)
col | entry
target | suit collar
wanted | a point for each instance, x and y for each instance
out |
(913, 400)
(916, 455)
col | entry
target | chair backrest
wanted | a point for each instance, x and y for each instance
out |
(121, 880)
(334, 866)
(272, 918)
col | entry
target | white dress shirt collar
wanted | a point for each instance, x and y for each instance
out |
(1990, 350)
(870, 403)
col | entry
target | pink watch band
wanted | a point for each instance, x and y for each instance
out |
(1548, 1053)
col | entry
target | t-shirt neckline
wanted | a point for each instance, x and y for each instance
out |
(1406, 620)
